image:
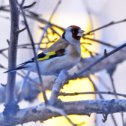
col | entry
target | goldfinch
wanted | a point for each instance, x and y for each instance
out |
(62, 55)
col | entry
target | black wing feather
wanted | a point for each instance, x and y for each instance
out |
(60, 52)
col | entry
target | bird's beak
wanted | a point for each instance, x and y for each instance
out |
(80, 33)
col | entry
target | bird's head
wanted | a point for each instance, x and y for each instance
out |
(73, 33)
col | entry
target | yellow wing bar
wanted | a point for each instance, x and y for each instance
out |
(46, 56)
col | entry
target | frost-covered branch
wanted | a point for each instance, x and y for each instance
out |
(80, 108)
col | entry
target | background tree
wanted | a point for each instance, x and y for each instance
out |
(12, 94)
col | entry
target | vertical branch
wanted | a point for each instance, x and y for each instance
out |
(60, 81)
(35, 55)
(12, 52)
(96, 89)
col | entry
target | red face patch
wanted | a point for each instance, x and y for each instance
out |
(75, 31)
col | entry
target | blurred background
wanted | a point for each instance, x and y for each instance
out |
(88, 14)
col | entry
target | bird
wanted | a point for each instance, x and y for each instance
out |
(62, 55)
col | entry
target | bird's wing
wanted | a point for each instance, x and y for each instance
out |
(60, 44)
(57, 49)
(46, 56)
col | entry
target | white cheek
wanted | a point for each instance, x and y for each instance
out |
(68, 36)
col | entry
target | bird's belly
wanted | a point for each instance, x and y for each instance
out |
(54, 66)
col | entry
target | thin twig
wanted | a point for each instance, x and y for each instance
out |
(105, 26)
(101, 42)
(95, 92)
(34, 16)
(103, 83)
(111, 72)
(21, 46)
(60, 111)
(99, 60)
(29, 6)
(4, 55)
(35, 55)
(96, 89)
(123, 119)
(55, 9)
(114, 120)
(22, 2)
(21, 30)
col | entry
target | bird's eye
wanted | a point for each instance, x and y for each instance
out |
(73, 31)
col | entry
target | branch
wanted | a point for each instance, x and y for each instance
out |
(10, 98)
(34, 16)
(100, 42)
(106, 25)
(80, 108)
(60, 81)
(107, 63)
(101, 62)
(35, 55)
(92, 92)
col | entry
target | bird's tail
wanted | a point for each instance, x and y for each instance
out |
(19, 67)
(14, 69)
